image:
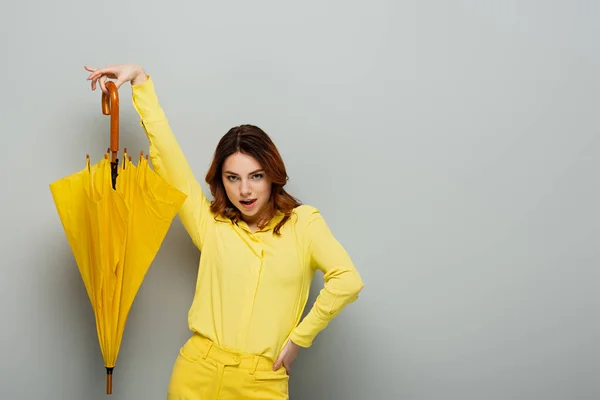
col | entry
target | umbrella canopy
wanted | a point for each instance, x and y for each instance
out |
(114, 227)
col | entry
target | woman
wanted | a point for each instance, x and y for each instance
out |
(259, 251)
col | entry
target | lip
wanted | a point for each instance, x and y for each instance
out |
(250, 205)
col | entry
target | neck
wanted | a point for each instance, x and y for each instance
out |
(254, 222)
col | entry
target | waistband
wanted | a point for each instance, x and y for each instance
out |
(206, 348)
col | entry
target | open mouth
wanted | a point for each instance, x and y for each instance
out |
(248, 203)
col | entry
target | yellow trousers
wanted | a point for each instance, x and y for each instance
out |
(205, 371)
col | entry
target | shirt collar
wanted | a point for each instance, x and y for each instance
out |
(271, 225)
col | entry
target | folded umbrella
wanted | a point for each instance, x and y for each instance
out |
(115, 218)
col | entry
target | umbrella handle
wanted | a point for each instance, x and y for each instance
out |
(110, 106)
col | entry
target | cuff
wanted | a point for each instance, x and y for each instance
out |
(145, 100)
(300, 341)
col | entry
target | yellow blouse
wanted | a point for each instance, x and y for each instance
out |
(251, 288)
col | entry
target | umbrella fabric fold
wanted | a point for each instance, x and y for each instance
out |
(114, 234)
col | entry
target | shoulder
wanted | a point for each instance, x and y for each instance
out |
(304, 211)
(304, 215)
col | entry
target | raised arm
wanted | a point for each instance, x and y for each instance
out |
(168, 159)
(342, 280)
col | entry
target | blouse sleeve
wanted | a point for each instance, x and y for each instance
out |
(342, 280)
(169, 162)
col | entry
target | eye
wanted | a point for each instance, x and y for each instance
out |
(231, 178)
(257, 176)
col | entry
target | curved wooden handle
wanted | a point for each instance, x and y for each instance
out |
(110, 106)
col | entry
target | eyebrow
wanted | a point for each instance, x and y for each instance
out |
(251, 173)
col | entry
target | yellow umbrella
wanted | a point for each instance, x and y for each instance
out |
(114, 230)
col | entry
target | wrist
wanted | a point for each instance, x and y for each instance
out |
(141, 77)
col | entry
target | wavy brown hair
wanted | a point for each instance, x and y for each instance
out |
(254, 142)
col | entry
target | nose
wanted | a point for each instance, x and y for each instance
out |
(245, 189)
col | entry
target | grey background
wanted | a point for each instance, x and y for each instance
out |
(451, 146)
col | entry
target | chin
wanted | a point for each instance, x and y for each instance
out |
(253, 212)
(246, 213)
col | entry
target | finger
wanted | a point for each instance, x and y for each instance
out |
(102, 71)
(94, 74)
(287, 368)
(95, 83)
(119, 83)
(89, 68)
(277, 364)
(102, 81)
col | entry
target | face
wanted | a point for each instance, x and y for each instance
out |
(246, 185)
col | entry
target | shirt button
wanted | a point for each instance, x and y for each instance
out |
(236, 358)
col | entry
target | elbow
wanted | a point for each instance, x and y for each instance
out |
(352, 288)
(345, 292)
(359, 287)
(355, 285)
(345, 284)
